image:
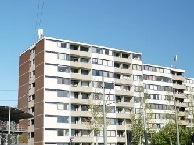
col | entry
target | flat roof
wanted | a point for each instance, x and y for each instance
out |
(15, 114)
(81, 43)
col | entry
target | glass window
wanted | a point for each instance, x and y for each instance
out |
(85, 60)
(85, 83)
(63, 45)
(94, 61)
(106, 51)
(105, 62)
(110, 63)
(63, 69)
(100, 61)
(62, 93)
(60, 132)
(63, 119)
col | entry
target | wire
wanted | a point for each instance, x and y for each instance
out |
(38, 17)
(8, 90)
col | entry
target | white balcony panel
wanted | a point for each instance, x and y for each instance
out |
(51, 122)
(102, 56)
(102, 67)
(51, 136)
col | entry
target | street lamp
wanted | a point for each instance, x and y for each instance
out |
(176, 120)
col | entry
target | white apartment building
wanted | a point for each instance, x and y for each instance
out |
(189, 92)
(163, 84)
(58, 77)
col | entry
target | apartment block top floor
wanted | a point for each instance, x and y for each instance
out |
(161, 69)
(114, 51)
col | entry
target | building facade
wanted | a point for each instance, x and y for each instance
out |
(58, 78)
(165, 88)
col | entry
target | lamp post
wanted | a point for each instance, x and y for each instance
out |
(104, 113)
(176, 120)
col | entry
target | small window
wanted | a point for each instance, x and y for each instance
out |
(85, 60)
(63, 45)
(63, 119)
(63, 68)
(84, 49)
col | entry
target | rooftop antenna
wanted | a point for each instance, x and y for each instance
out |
(40, 33)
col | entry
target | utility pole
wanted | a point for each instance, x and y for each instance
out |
(144, 122)
(104, 114)
(176, 120)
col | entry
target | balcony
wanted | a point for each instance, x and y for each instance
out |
(79, 126)
(178, 77)
(179, 104)
(81, 53)
(123, 60)
(181, 113)
(79, 101)
(123, 81)
(125, 104)
(81, 64)
(123, 115)
(83, 139)
(121, 139)
(79, 76)
(123, 93)
(177, 86)
(81, 113)
(81, 89)
(123, 71)
(180, 95)
(183, 122)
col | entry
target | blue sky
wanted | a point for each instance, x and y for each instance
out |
(159, 29)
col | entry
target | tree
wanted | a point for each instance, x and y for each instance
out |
(95, 122)
(137, 120)
(167, 135)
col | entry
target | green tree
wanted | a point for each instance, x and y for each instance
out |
(137, 121)
(167, 135)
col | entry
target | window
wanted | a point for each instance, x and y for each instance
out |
(97, 50)
(84, 96)
(96, 72)
(85, 84)
(111, 133)
(110, 97)
(116, 65)
(73, 58)
(97, 84)
(106, 51)
(61, 106)
(84, 72)
(105, 62)
(85, 60)
(73, 47)
(63, 69)
(125, 66)
(97, 96)
(62, 93)
(125, 55)
(60, 132)
(65, 81)
(74, 95)
(74, 70)
(84, 108)
(94, 61)
(63, 119)
(63, 56)
(63, 45)
(84, 49)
